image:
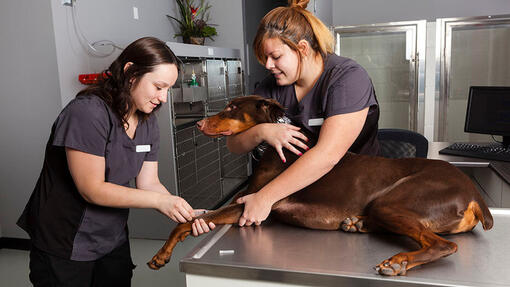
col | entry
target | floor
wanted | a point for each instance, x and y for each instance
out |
(14, 264)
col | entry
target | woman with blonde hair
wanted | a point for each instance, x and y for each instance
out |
(330, 96)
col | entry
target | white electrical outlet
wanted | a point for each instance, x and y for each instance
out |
(135, 13)
(67, 2)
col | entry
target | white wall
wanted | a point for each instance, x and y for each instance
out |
(322, 10)
(111, 20)
(227, 14)
(29, 102)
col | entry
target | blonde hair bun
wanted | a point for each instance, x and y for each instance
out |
(299, 3)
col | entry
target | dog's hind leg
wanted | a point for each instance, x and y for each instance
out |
(226, 215)
(402, 221)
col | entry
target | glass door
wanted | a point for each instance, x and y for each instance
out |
(393, 54)
(473, 52)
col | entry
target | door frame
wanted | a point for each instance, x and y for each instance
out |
(444, 28)
(418, 31)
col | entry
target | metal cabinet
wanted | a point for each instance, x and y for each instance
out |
(206, 172)
(216, 86)
(198, 168)
(182, 92)
(234, 79)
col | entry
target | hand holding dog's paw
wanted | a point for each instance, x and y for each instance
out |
(199, 227)
(175, 207)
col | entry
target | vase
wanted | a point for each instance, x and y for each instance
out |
(194, 40)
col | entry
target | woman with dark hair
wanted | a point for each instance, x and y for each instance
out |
(102, 140)
(332, 97)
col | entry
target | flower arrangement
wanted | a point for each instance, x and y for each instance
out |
(193, 22)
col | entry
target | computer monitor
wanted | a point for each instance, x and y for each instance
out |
(488, 112)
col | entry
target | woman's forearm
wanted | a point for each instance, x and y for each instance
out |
(156, 186)
(311, 166)
(118, 196)
(245, 141)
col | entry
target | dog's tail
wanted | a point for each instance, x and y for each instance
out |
(482, 213)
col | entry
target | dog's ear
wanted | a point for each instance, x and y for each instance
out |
(271, 108)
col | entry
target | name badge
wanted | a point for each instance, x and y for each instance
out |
(143, 148)
(315, 122)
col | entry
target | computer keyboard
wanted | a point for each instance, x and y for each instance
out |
(494, 151)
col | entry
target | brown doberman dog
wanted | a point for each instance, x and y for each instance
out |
(415, 197)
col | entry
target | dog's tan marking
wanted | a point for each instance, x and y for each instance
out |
(470, 219)
(248, 120)
(230, 125)
(236, 126)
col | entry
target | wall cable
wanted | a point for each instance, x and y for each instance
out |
(90, 48)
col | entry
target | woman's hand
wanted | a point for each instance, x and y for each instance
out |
(199, 227)
(256, 209)
(175, 208)
(284, 136)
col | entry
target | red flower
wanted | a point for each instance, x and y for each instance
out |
(193, 11)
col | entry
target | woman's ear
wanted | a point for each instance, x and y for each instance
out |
(127, 65)
(303, 47)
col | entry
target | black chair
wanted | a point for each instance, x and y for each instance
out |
(399, 143)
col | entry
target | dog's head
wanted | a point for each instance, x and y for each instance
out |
(241, 114)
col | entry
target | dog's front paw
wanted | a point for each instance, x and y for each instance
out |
(352, 224)
(392, 267)
(157, 262)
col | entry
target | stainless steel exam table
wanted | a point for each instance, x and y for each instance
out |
(274, 254)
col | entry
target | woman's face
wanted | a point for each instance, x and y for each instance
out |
(152, 89)
(282, 61)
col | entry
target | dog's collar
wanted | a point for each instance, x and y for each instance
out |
(283, 120)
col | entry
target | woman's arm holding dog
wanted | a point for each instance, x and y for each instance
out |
(88, 172)
(277, 135)
(337, 134)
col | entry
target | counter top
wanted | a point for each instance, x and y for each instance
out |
(502, 168)
(282, 253)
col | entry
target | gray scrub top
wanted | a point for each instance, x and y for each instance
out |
(58, 220)
(343, 87)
